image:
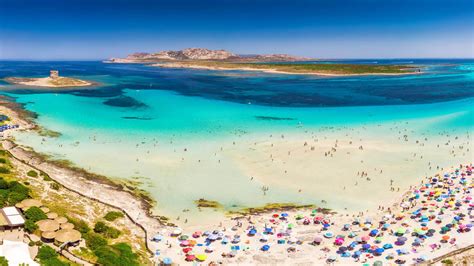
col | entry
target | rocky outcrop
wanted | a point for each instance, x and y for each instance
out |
(201, 54)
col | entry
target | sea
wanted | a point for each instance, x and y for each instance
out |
(183, 135)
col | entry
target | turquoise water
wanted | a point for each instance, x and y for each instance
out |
(202, 134)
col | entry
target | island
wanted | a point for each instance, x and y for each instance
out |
(53, 81)
(201, 58)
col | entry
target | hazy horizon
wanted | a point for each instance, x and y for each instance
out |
(97, 30)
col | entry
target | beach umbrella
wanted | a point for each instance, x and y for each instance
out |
(365, 246)
(265, 248)
(183, 237)
(201, 257)
(190, 257)
(378, 239)
(379, 250)
(357, 254)
(184, 243)
(387, 246)
(328, 235)
(157, 238)
(318, 240)
(186, 250)
(346, 254)
(209, 249)
(342, 249)
(374, 232)
(252, 232)
(401, 230)
(284, 214)
(378, 263)
(401, 239)
(167, 261)
(365, 238)
(176, 232)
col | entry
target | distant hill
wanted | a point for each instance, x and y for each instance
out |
(202, 54)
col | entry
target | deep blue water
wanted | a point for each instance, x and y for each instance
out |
(443, 80)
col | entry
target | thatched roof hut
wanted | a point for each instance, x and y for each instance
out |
(48, 225)
(61, 220)
(27, 203)
(67, 226)
(52, 215)
(68, 235)
(48, 235)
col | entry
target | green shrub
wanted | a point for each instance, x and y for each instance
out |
(3, 261)
(46, 252)
(35, 214)
(118, 254)
(113, 215)
(4, 170)
(55, 186)
(80, 225)
(32, 173)
(46, 177)
(48, 257)
(94, 240)
(30, 226)
(3, 183)
(105, 230)
(3, 160)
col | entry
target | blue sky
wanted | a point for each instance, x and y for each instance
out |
(86, 29)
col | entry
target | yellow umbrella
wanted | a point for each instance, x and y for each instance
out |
(201, 257)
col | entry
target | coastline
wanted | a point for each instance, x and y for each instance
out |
(270, 71)
(137, 208)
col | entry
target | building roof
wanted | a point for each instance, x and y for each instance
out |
(11, 216)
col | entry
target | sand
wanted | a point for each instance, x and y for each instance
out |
(49, 82)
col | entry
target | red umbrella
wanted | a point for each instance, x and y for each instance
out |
(190, 257)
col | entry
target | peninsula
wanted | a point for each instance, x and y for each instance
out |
(200, 58)
(53, 81)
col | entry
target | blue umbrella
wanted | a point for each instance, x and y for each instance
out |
(265, 247)
(284, 214)
(374, 232)
(365, 246)
(387, 246)
(379, 250)
(167, 261)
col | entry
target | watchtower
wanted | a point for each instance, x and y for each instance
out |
(54, 74)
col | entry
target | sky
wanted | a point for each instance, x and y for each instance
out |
(100, 29)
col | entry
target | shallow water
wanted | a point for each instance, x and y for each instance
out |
(175, 130)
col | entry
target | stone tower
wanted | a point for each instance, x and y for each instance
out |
(54, 74)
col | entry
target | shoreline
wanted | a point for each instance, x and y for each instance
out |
(270, 71)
